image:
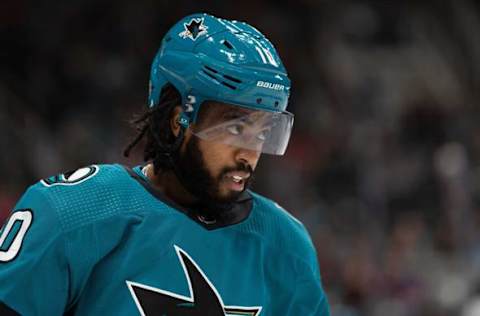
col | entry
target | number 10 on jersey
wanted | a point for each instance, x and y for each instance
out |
(12, 234)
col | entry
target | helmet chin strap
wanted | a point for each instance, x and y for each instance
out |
(165, 152)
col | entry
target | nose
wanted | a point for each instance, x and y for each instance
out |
(247, 156)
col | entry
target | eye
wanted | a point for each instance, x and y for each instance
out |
(235, 129)
(263, 135)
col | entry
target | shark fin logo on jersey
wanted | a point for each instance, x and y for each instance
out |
(204, 298)
(71, 177)
(194, 29)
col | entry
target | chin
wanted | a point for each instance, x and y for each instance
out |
(227, 196)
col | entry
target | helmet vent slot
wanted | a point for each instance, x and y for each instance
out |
(211, 69)
(211, 76)
(216, 76)
(227, 44)
(232, 79)
(229, 85)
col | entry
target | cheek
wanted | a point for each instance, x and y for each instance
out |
(215, 157)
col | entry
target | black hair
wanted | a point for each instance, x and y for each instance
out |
(154, 124)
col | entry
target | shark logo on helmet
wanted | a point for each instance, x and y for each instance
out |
(194, 29)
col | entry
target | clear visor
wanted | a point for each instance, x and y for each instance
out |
(261, 131)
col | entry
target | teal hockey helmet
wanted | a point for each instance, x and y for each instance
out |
(212, 59)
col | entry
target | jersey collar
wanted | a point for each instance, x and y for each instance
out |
(238, 213)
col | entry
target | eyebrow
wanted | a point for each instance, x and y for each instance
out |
(231, 115)
(248, 120)
(235, 113)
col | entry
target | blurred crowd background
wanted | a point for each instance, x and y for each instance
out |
(384, 162)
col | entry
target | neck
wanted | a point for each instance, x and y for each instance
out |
(168, 183)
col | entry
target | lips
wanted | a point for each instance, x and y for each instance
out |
(242, 175)
(236, 180)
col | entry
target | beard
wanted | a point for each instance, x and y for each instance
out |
(193, 174)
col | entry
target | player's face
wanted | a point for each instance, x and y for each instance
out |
(231, 167)
(215, 169)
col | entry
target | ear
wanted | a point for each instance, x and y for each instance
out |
(175, 120)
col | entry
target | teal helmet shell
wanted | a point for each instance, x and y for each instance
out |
(212, 59)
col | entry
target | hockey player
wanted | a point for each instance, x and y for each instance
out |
(182, 234)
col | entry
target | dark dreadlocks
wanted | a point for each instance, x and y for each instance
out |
(155, 124)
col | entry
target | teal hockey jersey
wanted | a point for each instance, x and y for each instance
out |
(102, 241)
